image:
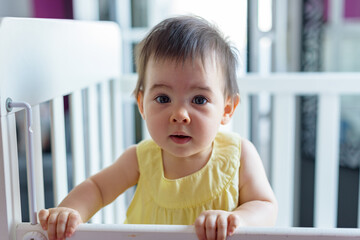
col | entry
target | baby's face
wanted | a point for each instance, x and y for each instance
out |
(183, 105)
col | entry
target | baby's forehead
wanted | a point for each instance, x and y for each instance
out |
(161, 68)
(208, 61)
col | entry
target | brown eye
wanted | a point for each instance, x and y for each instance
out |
(200, 100)
(162, 99)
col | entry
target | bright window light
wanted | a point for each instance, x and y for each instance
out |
(265, 15)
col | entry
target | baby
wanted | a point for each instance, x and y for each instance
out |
(189, 172)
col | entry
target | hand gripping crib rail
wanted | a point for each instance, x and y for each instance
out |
(43, 60)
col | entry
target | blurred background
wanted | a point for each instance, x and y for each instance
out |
(272, 36)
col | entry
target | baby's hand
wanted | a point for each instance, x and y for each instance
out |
(216, 224)
(59, 222)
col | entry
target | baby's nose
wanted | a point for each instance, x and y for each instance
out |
(180, 116)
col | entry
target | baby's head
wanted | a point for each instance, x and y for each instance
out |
(187, 38)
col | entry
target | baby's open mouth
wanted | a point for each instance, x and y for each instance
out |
(180, 138)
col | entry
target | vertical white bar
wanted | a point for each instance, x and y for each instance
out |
(123, 18)
(241, 117)
(93, 144)
(10, 206)
(327, 161)
(92, 100)
(58, 150)
(105, 125)
(105, 136)
(336, 11)
(86, 9)
(39, 177)
(77, 137)
(117, 142)
(145, 131)
(281, 28)
(283, 157)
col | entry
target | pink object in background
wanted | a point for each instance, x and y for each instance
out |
(61, 9)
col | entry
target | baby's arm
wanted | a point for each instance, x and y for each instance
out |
(90, 196)
(257, 203)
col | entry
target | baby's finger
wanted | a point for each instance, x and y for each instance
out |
(52, 222)
(221, 227)
(62, 220)
(73, 221)
(210, 226)
(43, 218)
(233, 223)
(200, 227)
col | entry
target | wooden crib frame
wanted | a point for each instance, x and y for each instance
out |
(43, 60)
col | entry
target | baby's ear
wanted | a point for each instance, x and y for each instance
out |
(140, 103)
(229, 109)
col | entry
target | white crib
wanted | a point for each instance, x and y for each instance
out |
(41, 61)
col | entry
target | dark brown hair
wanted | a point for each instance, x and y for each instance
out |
(187, 37)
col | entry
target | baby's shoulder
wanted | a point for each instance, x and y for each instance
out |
(128, 158)
(248, 152)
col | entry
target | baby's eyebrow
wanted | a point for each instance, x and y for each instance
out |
(159, 85)
(203, 88)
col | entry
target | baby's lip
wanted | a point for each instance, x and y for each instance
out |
(180, 133)
(180, 138)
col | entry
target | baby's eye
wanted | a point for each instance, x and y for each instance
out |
(199, 100)
(162, 99)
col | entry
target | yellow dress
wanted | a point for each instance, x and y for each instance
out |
(158, 200)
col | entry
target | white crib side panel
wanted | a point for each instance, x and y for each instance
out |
(283, 157)
(39, 176)
(10, 206)
(58, 150)
(327, 161)
(77, 136)
(55, 57)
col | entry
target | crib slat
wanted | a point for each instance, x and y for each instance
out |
(241, 117)
(10, 207)
(117, 141)
(327, 161)
(116, 118)
(39, 177)
(105, 124)
(145, 132)
(92, 139)
(105, 140)
(93, 147)
(58, 149)
(77, 139)
(283, 157)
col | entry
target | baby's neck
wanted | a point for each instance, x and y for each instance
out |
(178, 167)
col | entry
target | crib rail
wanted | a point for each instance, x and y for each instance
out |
(180, 232)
